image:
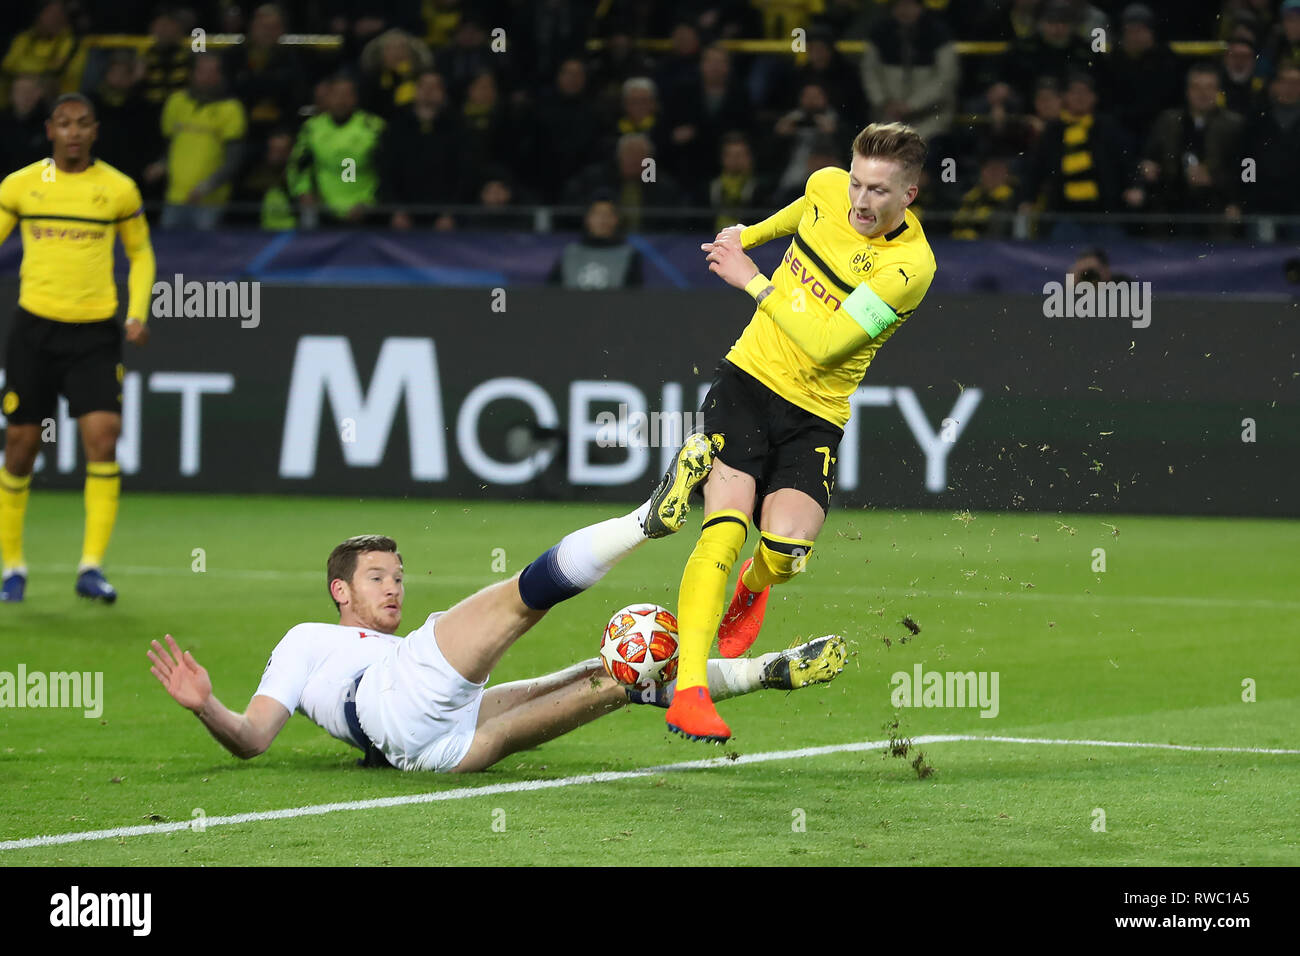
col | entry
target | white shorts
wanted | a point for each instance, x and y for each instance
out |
(416, 708)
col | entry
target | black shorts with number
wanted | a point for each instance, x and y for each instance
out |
(774, 441)
(82, 361)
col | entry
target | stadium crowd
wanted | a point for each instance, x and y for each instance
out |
(449, 114)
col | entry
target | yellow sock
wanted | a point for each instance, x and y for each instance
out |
(103, 487)
(776, 560)
(703, 591)
(13, 508)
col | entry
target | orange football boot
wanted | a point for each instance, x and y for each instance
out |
(744, 618)
(693, 715)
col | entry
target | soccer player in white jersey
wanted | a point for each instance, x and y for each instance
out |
(419, 702)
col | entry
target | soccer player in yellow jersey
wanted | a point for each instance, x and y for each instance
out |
(857, 266)
(70, 209)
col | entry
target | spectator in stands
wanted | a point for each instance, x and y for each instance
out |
(206, 127)
(546, 34)
(1055, 51)
(1273, 141)
(1191, 162)
(1048, 104)
(22, 125)
(1016, 20)
(986, 208)
(334, 166)
(167, 62)
(824, 151)
(48, 49)
(633, 179)
(737, 19)
(486, 128)
(995, 122)
(265, 75)
(389, 65)
(468, 57)
(640, 112)
(1085, 18)
(910, 71)
(1254, 15)
(674, 71)
(704, 107)
(1284, 44)
(1140, 77)
(836, 75)
(420, 157)
(795, 132)
(565, 130)
(782, 17)
(1243, 88)
(441, 17)
(497, 194)
(128, 130)
(613, 66)
(1092, 265)
(737, 187)
(267, 184)
(602, 258)
(1078, 166)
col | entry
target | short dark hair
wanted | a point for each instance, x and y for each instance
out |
(342, 563)
(1204, 66)
(73, 98)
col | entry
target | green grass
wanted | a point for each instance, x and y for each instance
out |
(1154, 649)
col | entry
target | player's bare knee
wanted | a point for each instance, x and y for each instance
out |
(22, 442)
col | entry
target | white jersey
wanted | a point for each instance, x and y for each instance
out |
(313, 667)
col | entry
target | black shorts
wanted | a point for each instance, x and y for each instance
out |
(82, 361)
(774, 441)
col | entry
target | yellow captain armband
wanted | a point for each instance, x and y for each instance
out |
(869, 310)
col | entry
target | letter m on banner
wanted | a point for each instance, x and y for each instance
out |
(407, 369)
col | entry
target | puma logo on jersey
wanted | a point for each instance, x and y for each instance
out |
(905, 276)
(816, 214)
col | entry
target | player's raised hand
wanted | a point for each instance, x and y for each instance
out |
(730, 264)
(180, 674)
(727, 237)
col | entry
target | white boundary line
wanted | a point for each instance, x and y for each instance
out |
(461, 793)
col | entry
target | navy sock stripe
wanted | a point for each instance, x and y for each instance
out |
(721, 518)
(542, 584)
(786, 547)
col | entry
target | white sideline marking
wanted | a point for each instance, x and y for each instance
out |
(963, 594)
(461, 793)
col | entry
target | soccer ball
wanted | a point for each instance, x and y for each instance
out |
(640, 645)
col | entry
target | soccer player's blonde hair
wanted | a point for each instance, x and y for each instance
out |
(896, 141)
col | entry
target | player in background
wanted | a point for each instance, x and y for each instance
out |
(65, 339)
(418, 703)
(857, 267)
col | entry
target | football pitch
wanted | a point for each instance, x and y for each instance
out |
(1188, 637)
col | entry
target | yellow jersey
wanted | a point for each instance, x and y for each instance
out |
(199, 133)
(69, 223)
(839, 296)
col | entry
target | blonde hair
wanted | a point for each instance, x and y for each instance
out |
(896, 141)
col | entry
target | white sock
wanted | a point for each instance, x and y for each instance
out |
(727, 679)
(732, 678)
(584, 556)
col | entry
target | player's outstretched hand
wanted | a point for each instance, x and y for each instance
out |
(180, 674)
(727, 237)
(729, 264)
